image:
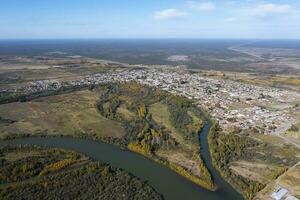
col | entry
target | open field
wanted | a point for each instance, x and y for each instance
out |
(257, 171)
(21, 70)
(269, 139)
(68, 114)
(289, 82)
(291, 180)
(15, 78)
(288, 180)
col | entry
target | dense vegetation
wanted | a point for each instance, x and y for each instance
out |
(131, 105)
(138, 122)
(181, 119)
(40, 173)
(139, 125)
(10, 97)
(4, 121)
(226, 148)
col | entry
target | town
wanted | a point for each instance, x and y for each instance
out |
(238, 107)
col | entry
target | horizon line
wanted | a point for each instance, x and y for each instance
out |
(145, 38)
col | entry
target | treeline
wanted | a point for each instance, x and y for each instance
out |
(31, 165)
(225, 148)
(4, 121)
(10, 97)
(88, 180)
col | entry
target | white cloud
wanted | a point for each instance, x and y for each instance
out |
(170, 13)
(203, 6)
(270, 8)
(230, 19)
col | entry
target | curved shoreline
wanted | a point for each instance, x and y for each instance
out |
(143, 167)
(223, 186)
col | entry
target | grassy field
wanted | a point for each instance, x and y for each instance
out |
(291, 180)
(257, 171)
(282, 81)
(68, 114)
(24, 76)
(291, 82)
(270, 139)
(17, 71)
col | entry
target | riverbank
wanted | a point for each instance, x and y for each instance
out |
(207, 184)
(168, 183)
(162, 127)
(179, 170)
(219, 145)
(32, 172)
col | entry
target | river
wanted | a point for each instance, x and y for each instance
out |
(168, 183)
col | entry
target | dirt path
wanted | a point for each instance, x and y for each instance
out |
(289, 141)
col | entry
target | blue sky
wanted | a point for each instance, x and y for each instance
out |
(22, 19)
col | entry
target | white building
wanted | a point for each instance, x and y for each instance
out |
(279, 194)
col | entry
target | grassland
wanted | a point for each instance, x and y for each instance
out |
(291, 180)
(20, 70)
(73, 114)
(290, 82)
(257, 171)
(50, 173)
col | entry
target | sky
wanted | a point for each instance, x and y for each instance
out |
(46, 19)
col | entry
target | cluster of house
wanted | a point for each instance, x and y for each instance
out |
(232, 103)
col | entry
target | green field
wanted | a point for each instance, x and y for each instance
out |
(73, 114)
